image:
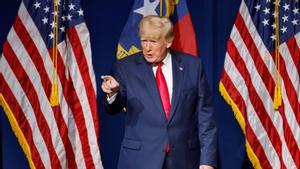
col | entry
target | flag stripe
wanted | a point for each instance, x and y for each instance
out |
(18, 92)
(83, 67)
(34, 33)
(290, 68)
(244, 45)
(38, 63)
(292, 102)
(265, 74)
(74, 132)
(259, 133)
(74, 103)
(33, 100)
(263, 93)
(62, 67)
(78, 89)
(89, 97)
(292, 95)
(255, 39)
(256, 100)
(252, 117)
(290, 115)
(235, 96)
(63, 136)
(21, 119)
(254, 51)
(72, 99)
(268, 81)
(85, 42)
(254, 78)
(295, 53)
(291, 138)
(37, 90)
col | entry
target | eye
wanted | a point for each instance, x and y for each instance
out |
(153, 41)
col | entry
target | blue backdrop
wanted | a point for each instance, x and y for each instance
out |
(213, 20)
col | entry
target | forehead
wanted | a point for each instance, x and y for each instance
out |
(151, 34)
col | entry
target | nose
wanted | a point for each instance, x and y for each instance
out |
(148, 46)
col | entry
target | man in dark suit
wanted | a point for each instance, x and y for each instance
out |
(169, 120)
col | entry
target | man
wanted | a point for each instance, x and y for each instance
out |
(169, 121)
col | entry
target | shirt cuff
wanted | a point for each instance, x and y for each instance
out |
(111, 99)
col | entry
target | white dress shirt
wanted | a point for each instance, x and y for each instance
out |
(168, 73)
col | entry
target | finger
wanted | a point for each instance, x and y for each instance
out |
(106, 77)
(105, 89)
(109, 84)
(106, 86)
(114, 85)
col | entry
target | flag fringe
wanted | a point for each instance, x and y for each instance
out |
(17, 130)
(239, 117)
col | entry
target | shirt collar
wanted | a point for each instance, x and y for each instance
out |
(167, 60)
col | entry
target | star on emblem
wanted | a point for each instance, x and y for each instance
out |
(148, 8)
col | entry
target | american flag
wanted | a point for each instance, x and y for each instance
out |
(64, 136)
(249, 78)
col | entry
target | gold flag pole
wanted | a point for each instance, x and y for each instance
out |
(277, 92)
(54, 97)
(160, 7)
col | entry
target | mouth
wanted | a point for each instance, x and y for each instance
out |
(148, 55)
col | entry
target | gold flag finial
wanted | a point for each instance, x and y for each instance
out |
(169, 5)
(54, 97)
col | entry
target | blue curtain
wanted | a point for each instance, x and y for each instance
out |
(212, 20)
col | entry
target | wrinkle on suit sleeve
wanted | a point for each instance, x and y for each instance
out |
(206, 122)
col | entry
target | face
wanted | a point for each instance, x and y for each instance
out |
(154, 50)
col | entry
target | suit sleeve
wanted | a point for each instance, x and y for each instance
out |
(120, 102)
(206, 122)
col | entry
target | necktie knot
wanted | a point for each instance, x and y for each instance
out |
(159, 70)
(160, 64)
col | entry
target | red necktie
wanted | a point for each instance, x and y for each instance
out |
(164, 93)
(163, 89)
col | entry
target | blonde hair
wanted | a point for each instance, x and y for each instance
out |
(157, 27)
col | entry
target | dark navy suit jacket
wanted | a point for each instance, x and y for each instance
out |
(190, 129)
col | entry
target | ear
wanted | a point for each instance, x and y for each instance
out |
(169, 44)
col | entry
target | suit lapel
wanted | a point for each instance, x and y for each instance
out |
(178, 69)
(146, 74)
